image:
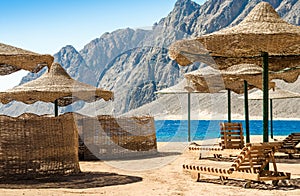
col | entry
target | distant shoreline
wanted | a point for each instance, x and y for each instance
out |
(220, 118)
(253, 138)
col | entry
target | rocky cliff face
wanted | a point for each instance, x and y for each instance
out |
(99, 52)
(134, 63)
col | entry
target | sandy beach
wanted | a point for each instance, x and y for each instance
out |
(159, 174)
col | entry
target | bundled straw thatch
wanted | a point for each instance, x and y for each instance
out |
(108, 137)
(55, 84)
(261, 30)
(181, 88)
(13, 59)
(33, 146)
(211, 81)
(276, 93)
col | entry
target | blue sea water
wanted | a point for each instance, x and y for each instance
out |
(176, 130)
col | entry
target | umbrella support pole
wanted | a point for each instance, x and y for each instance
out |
(56, 107)
(265, 78)
(246, 111)
(229, 105)
(271, 117)
(265, 96)
(189, 117)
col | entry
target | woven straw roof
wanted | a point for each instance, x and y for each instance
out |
(181, 88)
(55, 84)
(211, 80)
(13, 59)
(261, 30)
(253, 74)
(277, 93)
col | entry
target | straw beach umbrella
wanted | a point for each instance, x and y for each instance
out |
(212, 80)
(261, 30)
(262, 38)
(13, 59)
(231, 79)
(182, 88)
(276, 93)
(55, 86)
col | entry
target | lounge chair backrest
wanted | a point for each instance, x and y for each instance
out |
(291, 141)
(254, 158)
(232, 135)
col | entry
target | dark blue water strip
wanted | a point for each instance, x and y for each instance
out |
(176, 130)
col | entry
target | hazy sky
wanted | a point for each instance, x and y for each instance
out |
(45, 26)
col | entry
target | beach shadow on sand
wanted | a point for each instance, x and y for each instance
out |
(277, 160)
(81, 180)
(140, 157)
(291, 184)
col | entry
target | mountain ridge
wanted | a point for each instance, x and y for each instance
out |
(126, 60)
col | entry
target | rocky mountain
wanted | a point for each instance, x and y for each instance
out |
(134, 63)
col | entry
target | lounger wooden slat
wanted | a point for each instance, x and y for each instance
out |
(246, 166)
(230, 133)
(289, 144)
(232, 141)
(230, 130)
(230, 127)
(232, 137)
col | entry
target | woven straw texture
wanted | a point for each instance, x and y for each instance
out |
(261, 30)
(13, 59)
(276, 93)
(180, 88)
(210, 80)
(32, 146)
(55, 84)
(108, 137)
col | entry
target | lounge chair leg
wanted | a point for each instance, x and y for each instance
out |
(275, 182)
(285, 182)
(222, 178)
(247, 185)
(196, 176)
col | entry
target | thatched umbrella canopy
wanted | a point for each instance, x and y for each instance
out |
(232, 79)
(261, 30)
(211, 80)
(261, 34)
(13, 59)
(181, 88)
(276, 93)
(55, 85)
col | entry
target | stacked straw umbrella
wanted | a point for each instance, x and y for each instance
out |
(55, 86)
(276, 93)
(210, 80)
(262, 38)
(13, 59)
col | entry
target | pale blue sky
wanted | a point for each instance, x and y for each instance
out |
(45, 26)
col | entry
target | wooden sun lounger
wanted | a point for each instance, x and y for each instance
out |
(214, 152)
(289, 144)
(232, 136)
(249, 165)
(232, 141)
